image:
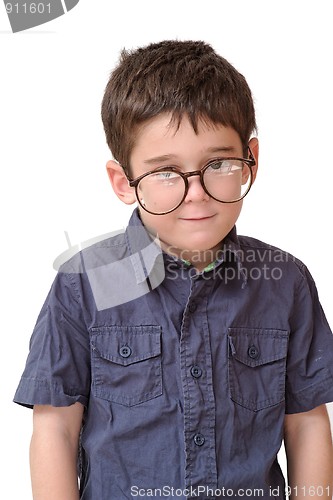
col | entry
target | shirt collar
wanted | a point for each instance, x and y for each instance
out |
(145, 253)
(232, 250)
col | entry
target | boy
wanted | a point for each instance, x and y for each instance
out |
(173, 359)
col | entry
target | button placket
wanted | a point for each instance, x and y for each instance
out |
(199, 407)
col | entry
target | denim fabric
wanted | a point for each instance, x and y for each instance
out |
(185, 377)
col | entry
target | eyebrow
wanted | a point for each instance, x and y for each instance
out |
(159, 159)
(222, 149)
(168, 157)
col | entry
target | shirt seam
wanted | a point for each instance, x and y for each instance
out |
(63, 391)
(310, 388)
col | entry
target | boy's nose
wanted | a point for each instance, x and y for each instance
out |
(196, 192)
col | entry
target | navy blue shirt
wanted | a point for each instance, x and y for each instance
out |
(185, 377)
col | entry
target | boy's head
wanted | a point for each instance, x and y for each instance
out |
(179, 78)
(178, 120)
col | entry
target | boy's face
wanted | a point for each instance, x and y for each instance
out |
(195, 230)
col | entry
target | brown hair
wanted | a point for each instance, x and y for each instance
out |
(179, 77)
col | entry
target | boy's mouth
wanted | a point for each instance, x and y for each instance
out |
(197, 218)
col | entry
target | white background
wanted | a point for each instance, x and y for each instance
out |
(53, 150)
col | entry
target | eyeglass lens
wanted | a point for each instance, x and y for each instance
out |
(224, 180)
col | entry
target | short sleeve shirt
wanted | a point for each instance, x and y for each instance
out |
(185, 377)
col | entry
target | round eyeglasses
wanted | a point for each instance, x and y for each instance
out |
(164, 189)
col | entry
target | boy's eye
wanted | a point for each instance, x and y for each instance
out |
(164, 176)
(225, 167)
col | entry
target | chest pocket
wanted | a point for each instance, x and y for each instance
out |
(126, 363)
(257, 366)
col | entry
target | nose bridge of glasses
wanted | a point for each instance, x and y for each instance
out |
(196, 188)
(193, 173)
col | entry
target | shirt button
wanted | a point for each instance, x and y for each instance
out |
(196, 371)
(192, 307)
(253, 352)
(125, 351)
(199, 439)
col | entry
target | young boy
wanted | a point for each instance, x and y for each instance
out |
(171, 360)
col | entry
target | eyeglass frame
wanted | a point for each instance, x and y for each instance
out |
(250, 162)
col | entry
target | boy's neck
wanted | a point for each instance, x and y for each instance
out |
(199, 259)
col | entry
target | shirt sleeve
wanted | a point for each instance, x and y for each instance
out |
(57, 370)
(309, 378)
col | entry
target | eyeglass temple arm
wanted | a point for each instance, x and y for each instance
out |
(251, 158)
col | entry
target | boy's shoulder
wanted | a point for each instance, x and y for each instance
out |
(117, 269)
(254, 251)
(250, 242)
(92, 253)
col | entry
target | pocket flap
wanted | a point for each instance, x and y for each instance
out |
(255, 347)
(126, 345)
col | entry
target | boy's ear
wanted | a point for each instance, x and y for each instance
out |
(254, 145)
(119, 183)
